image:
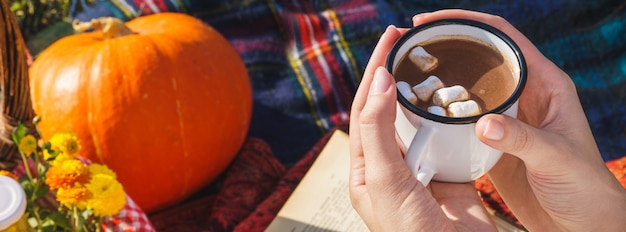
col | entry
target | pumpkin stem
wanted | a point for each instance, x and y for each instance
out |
(109, 26)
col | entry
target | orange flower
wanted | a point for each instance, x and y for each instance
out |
(78, 196)
(9, 174)
(67, 174)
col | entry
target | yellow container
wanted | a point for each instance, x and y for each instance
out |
(19, 226)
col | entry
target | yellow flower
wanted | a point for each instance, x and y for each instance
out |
(99, 169)
(28, 145)
(65, 142)
(108, 196)
(47, 155)
(60, 158)
(78, 196)
(9, 174)
(67, 174)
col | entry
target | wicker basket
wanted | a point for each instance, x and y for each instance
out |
(16, 102)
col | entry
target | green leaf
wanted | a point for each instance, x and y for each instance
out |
(19, 132)
(23, 179)
(46, 145)
(48, 225)
(44, 212)
(60, 220)
(49, 228)
(42, 191)
(42, 169)
(28, 187)
(87, 213)
(32, 221)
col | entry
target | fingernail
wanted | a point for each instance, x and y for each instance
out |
(494, 130)
(381, 82)
(389, 28)
(420, 15)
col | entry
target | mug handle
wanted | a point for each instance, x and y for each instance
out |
(418, 149)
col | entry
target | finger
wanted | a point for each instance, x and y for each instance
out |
(376, 124)
(377, 59)
(358, 190)
(402, 30)
(536, 148)
(510, 175)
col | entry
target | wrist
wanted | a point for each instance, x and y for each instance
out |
(617, 220)
(610, 208)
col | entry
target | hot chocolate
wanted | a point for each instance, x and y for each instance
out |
(480, 69)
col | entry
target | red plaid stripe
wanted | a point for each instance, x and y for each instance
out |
(130, 218)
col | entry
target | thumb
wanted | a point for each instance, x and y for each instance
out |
(509, 135)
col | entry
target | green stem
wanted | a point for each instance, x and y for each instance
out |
(37, 217)
(27, 167)
(98, 222)
(110, 27)
(36, 184)
(76, 219)
(32, 197)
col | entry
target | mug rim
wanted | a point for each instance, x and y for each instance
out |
(468, 22)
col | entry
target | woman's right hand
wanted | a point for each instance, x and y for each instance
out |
(553, 177)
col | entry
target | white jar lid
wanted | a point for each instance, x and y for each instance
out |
(12, 202)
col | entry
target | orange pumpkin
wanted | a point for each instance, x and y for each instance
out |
(166, 104)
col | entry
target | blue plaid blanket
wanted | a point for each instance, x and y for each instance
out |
(305, 58)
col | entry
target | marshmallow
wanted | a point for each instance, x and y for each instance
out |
(405, 89)
(424, 60)
(464, 109)
(426, 89)
(444, 96)
(438, 110)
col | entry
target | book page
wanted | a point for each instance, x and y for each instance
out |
(321, 201)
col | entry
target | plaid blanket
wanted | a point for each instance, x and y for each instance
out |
(256, 186)
(305, 58)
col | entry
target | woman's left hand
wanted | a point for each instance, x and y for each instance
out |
(382, 189)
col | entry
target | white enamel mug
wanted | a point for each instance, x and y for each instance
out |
(442, 148)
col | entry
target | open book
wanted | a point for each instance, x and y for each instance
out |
(321, 201)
